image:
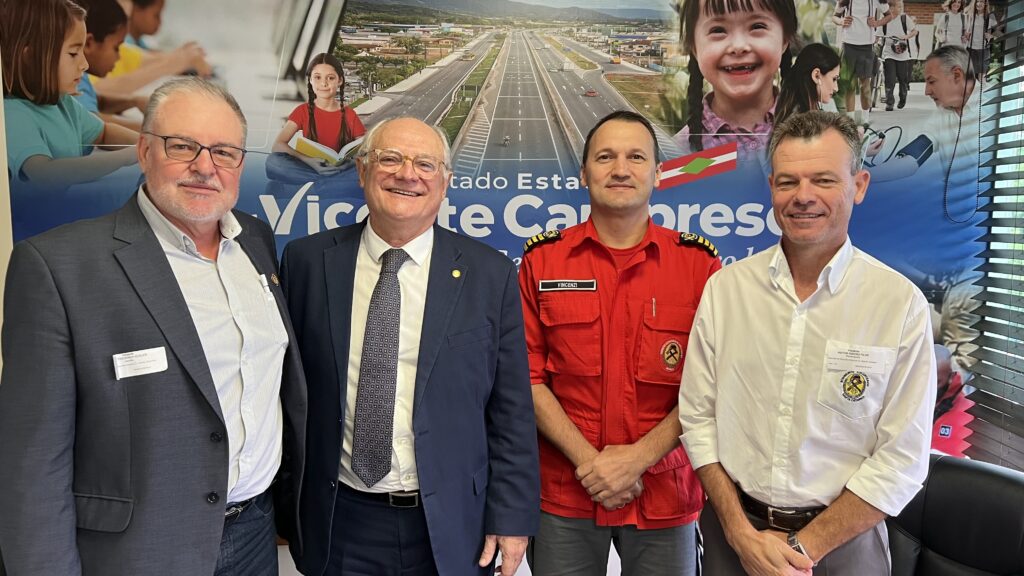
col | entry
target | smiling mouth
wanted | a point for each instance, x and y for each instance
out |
(199, 186)
(741, 69)
(805, 216)
(407, 193)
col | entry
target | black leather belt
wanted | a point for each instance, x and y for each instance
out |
(779, 518)
(393, 499)
(233, 510)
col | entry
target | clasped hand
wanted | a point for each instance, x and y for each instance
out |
(612, 477)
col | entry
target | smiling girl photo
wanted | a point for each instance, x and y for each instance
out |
(738, 46)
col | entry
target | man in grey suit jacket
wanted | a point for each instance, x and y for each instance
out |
(151, 390)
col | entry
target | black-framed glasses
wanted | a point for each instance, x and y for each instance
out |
(391, 160)
(187, 150)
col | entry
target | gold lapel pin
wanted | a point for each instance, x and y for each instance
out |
(456, 273)
(273, 278)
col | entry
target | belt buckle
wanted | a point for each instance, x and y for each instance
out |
(237, 509)
(398, 500)
(771, 517)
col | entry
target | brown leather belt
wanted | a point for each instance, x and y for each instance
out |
(779, 518)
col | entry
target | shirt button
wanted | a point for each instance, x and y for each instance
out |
(216, 437)
(213, 497)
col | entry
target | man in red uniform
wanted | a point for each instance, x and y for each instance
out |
(608, 306)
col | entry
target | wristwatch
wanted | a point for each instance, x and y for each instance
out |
(795, 544)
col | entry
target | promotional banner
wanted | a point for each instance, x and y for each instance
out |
(517, 86)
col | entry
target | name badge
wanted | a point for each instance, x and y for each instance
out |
(844, 357)
(140, 362)
(568, 285)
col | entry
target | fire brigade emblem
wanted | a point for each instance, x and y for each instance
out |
(671, 354)
(854, 385)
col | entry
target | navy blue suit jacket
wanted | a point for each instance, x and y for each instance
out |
(473, 420)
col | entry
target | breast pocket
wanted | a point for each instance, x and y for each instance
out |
(855, 378)
(572, 327)
(663, 338)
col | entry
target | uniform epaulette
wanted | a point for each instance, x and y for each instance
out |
(691, 239)
(549, 236)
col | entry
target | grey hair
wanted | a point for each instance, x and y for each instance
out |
(814, 123)
(191, 85)
(951, 56)
(370, 139)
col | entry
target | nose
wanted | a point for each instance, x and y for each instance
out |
(203, 164)
(738, 43)
(406, 170)
(804, 195)
(620, 167)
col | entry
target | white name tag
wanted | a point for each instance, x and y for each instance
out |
(140, 362)
(852, 357)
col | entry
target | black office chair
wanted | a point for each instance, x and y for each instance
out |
(968, 520)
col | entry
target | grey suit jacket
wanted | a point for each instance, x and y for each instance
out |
(104, 476)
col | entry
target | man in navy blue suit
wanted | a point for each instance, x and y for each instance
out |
(422, 455)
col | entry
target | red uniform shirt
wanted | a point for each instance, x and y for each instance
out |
(328, 124)
(609, 343)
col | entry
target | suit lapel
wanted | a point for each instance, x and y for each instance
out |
(443, 289)
(339, 275)
(146, 267)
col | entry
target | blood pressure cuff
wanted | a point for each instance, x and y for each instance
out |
(920, 148)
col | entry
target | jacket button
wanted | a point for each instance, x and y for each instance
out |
(216, 437)
(213, 497)
(332, 484)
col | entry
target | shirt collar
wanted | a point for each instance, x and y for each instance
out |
(590, 233)
(165, 230)
(418, 248)
(832, 274)
(715, 124)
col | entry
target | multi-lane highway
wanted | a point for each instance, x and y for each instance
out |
(430, 98)
(536, 97)
(520, 109)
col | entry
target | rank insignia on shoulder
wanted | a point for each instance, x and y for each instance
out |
(549, 236)
(691, 239)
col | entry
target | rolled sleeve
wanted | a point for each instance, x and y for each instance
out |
(698, 392)
(897, 468)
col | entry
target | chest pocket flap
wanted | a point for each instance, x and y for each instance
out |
(573, 332)
(663, 339)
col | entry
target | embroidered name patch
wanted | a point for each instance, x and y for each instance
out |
(568, 285)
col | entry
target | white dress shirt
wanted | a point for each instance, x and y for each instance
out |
(412, 278)
(770, 385)
(244, 341)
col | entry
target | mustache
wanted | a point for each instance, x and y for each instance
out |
(200, 181)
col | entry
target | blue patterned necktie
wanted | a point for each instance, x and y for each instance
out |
(378, 374)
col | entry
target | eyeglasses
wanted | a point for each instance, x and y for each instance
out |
(186, 150)
(391, 161)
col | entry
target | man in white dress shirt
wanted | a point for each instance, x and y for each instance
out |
(809, 429)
